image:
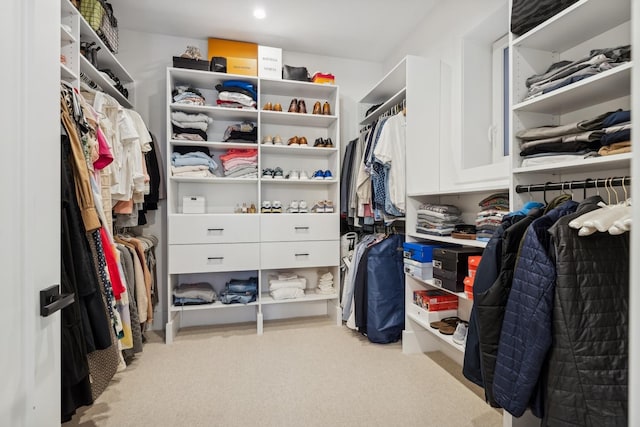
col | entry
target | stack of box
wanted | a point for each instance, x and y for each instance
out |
(450, 266)
(473, 262)
(418, 259)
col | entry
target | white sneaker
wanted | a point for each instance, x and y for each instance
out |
(276, 207)
(302, 207)
(304, 175)
(266, 207)
(294, 207)
(293, 175)
(267, 140)
(460, 335)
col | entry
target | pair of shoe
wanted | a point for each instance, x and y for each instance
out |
(268, 207)
(297, 175)
(269, 173)
(276, 140)
(192, 52)
(300, 141)
(321, 142)
(272, 107)
(298, 106)
(298, 206)
(320, 174)
(322, 109)
(323, 206)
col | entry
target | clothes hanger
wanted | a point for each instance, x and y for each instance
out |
(605, 218)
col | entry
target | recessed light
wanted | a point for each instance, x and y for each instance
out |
(259, 13)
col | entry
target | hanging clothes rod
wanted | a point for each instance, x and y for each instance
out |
(574, 185)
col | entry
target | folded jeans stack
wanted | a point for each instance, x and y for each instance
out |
(494, 208)
(237, 94)
(240, 291)
(191, 127)
(325, 284)
(192, 164)
(287, 286)
(194, 294)
(438, 220)
(187, 95)
(238, 163)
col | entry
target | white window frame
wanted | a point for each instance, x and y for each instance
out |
(499, 132)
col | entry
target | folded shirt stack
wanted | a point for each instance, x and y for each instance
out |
(242, 132)
(287, 286)
(240, 291)
(237, 94)
(192, 164)
(194, 294)
(187, 95)
(494, 208)
(551, 144)
(564, 73)
(191, 127)
(238, 163)
(438, 220)
(325, 284)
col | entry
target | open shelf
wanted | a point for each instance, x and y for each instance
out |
(266, 299)
(96, 76)
(214, 306)
(66, 73)
(422, 321)
(298, 150)
(296, 119)
(593, 164)
(211, 180)
(390, 85)
(460, 295)
(448, 239)
(213, 144)
(281, 87)
(218, 113)
(393, 100)
(299, 181)
(205, 79)
(66, 36)
(501, 185)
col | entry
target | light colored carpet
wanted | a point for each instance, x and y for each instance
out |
(299, 373)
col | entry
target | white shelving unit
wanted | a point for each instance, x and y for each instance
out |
(306, 243)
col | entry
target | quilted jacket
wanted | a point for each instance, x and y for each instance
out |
(490, 305)
(526, 331)
(588, 367)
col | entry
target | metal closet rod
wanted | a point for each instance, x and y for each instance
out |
(618, 181)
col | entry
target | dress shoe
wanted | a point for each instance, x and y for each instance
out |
(293, 107)
(293, 141)
(328, 143)
(302, 107)
(319, 142)
(317, 108)
(326, 109)
(267, 107)
(277, 107)
(302, 141)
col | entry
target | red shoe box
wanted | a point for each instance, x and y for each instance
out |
(473, 262)
(468, 287)
(435, 300)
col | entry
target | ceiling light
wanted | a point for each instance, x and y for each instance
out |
(259, 13)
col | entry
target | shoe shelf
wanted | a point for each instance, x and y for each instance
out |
(213, 180)
(296, 89)
(299, 181)
(430, 283)
(218, 113)
(594, 164)
(581, 21)
(96, 76)
(449, 239)
(204, 79)
(421, 317)
(266, 299)
(296, 119)
(213, 306)
(606, 86)
(215, 144)
(298, 150)
(66, 73)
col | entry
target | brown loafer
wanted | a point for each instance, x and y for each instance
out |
(302, 141)
(277, 107)
(267, 107)
(293, 107)
(326, 109)
(293, 141)
(302, 107)
(317, 108)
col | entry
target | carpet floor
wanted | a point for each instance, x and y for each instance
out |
(299, 373)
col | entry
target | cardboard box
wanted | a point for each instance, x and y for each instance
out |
(242, 57)
(269, 62)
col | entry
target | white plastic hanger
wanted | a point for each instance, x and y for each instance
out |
(605, 218)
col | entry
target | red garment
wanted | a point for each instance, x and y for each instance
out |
(105, 157)
(112, 264)
(237, 152)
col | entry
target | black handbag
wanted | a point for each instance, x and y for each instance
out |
(218, 64)
(295, 73)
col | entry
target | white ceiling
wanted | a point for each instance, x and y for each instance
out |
(357, 29)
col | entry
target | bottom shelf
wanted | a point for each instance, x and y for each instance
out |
(213, 306)
(266, 299)
(423, 321)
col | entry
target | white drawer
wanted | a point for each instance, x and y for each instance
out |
(186, 229)
(207, 258)
(299, 254)
(298, 227)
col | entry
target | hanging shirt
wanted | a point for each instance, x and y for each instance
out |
(390, 151)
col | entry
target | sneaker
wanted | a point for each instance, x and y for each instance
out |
(267, 173)
(460, 335)
(302, 207)
(276, 207)
(318, 207)
(328, 206)
(294, 207)
(277, 140)
(295, 175)
(277, 173)
(266, 207)
(304, 175)
(318, 174)
(267, 140)
(327, 174)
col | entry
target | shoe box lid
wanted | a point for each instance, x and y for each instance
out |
(421, 252)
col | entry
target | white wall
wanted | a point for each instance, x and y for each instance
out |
(146, 56)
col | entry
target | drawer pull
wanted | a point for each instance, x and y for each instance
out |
(302, 254)
(301, 228)
(214, 258)
(215, 229)
(437, 264)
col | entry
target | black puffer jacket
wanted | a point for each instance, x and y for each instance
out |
(588, 364)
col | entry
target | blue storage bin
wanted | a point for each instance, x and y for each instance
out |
(420, 252)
